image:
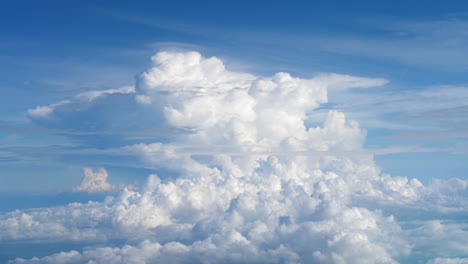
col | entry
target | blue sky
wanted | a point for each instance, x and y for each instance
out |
(72, 73)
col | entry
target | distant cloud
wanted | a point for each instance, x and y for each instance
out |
(96, 181)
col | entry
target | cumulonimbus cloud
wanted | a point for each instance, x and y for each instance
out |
(271, 190)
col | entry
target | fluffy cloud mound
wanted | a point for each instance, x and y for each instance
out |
(253, 183)
(95, 181)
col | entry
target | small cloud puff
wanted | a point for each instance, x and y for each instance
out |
(96, 181)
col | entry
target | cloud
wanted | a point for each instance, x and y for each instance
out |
(403, 149)
(98, 118)
(94, 181)
(448, 261)
(231, 108)
(238, 190)
(93, 95)
(81, 98)
(340, 82)
(44, 111)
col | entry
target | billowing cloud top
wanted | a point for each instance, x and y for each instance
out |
(255, 184)
(244, 111)
(96, 181)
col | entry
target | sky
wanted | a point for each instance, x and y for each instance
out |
(325, 132)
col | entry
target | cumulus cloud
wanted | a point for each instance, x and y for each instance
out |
(252, 183)
(94, 181)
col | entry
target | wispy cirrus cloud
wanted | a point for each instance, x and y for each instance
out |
(79, 100)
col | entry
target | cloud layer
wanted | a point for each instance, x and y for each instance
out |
(252, 183)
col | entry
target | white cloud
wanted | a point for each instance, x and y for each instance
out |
(400, 149)
(339, 81)
(266, 204)
(143, 99)
(448, 261)
(93, 95)
(94, 181)
(44, 111)
(86, 97)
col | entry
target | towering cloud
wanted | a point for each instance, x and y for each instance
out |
(253, 183)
